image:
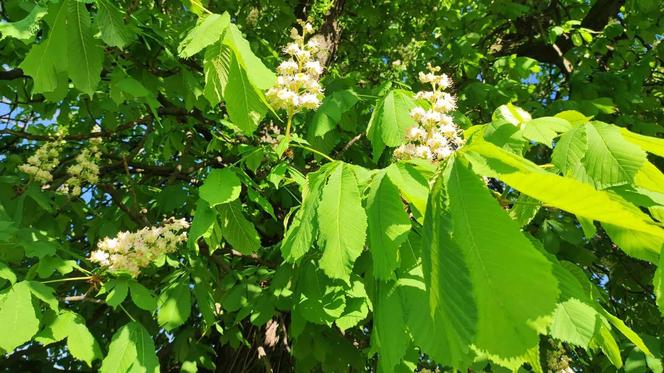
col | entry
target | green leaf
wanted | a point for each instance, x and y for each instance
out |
(81, 343)
(390, 337)
(47, 59)
(329, 114)
(207, 31)
(174, 306)
(412, 183)
(237, 230)
(650, 144)
(512, 114)
(388, 225)
(574, 322)
(216, 65)
(142, 297)
(260, 76)
(545, 129)
(131, 350)
(388, 126)
(627, 332)
(342, 223)
(319, 300)
(301, 234)
(489, 242)
(357, 307)
(221, 186)
(610, 159)
(570, 150)
(24, 29)
(110, 21)
(84, 54)
(119, 289)
(554, 190)
(18, 319)
(245, 103)
(7, 273)
(203, 223)
(43, 293)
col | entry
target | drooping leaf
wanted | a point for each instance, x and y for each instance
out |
(246, 104)
(545, 129)
(260, 76)
(388, 225)
(390, 336)
(216, 65)
(84, 54)
(47, 59)
(342, 223)
(142, 297)
(489, 242)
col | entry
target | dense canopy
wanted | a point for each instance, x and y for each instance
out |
(331, 185)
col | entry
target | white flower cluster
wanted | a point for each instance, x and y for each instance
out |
(84, 169)
(435, 137)
(297, 85)
(131, 251)
(269, 134)
(43, 162)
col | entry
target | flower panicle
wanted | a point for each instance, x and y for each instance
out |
(132, 251)
(435, 136)
(298, 86)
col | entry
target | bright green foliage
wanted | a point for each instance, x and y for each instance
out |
(26, 28)
(174, 305)
(390, 120)
(342, 223)
(221, 186)
(388, 224)
(486, 237)
(131, 349)
(535, 246)
(18, 319)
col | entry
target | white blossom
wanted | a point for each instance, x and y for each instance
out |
(45, 159)
(131, 251)
(85, 168)
(297, 85)
(435, 137)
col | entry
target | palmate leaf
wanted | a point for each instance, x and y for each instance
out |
(510, 283)
(246, 104)
(388, 224)
(342, 223)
